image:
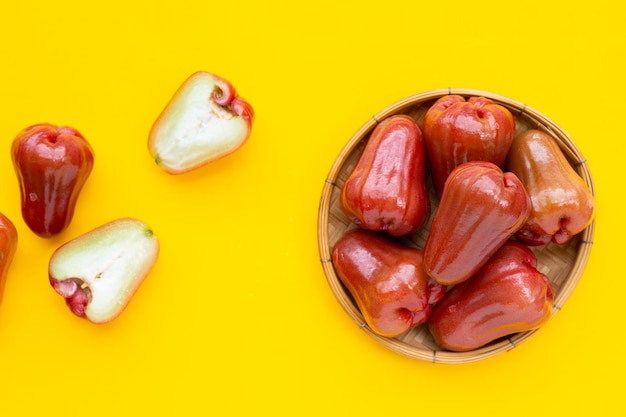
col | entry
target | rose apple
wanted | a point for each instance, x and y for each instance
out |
(8, 247)
(204, 120)
(508, 295)
(481, 208)
(52, 165)
(387, 188)
(99, 272)
(457, 130)
(386, 280)
(562, 204)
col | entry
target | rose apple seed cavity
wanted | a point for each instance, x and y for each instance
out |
(76, 292)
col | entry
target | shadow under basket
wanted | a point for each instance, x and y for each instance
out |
(563, 264)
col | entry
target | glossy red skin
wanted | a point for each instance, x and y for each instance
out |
(458, 130)
(387, 188)
(508, 295)
(8, 247)
(481, 208)
(387, 281)
(52, 164)
(562, 203)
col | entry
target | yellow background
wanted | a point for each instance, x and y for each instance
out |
(236, 318)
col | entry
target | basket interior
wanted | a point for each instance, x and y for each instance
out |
(563, 264)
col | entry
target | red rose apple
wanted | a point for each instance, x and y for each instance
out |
(387, 281)
(457, 130)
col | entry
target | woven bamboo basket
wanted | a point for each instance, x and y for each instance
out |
(563, 264)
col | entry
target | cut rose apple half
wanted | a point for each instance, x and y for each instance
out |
(205, 120)
(98, 273)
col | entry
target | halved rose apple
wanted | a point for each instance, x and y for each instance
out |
(205, 120)
(99, 272)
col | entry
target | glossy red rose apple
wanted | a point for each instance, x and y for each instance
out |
(8, 247)
(457, 130)
(99, 272)
(205, 120)
(387, 188)
(386, 280)
(562, 203)
(481, 208)
(508, 295)
(52, 165)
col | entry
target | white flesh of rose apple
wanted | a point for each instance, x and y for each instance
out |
(193, 129)
(112, 260)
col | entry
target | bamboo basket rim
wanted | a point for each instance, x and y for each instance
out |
(518, 109)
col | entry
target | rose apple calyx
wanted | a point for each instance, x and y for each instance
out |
(99, 272)
(204, 120)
